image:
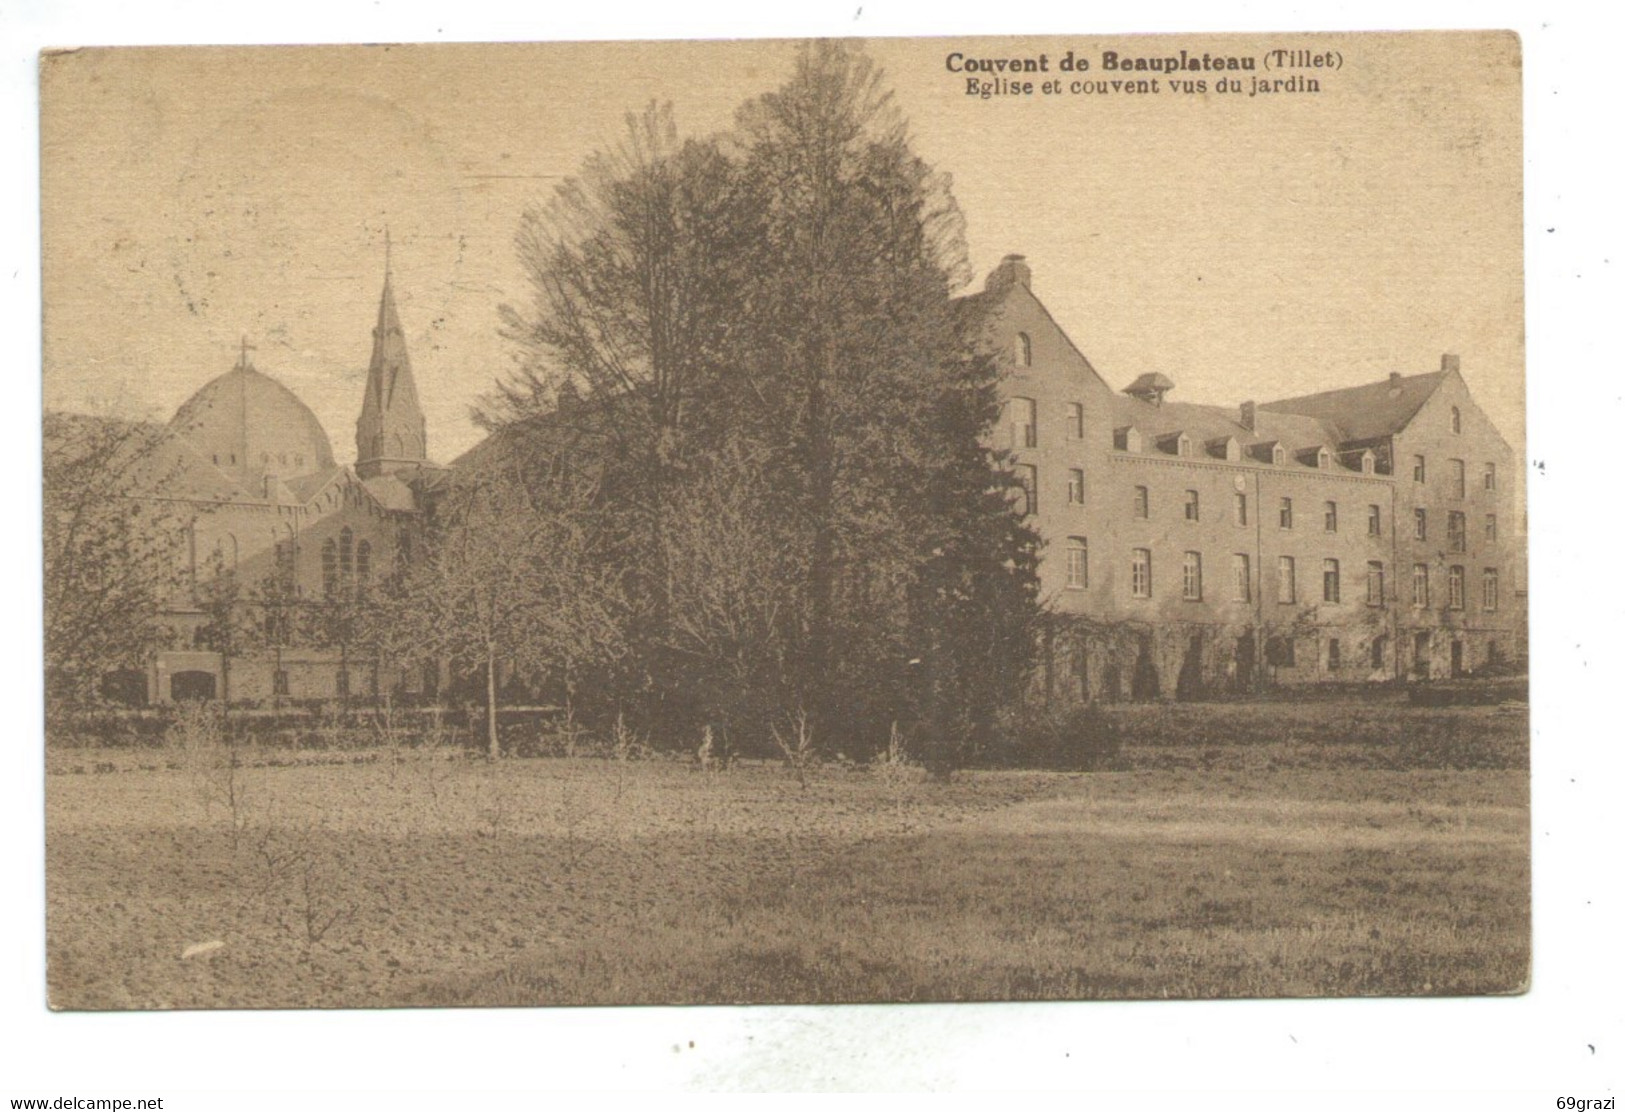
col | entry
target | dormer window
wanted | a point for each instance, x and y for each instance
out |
(1323, 459)
(1278, 455)
(1368, 463)
(1024, 350)
(1128, 439)
(1175, 444)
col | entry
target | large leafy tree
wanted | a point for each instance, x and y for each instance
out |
(864, 381)
(753, 341)
(635, 292)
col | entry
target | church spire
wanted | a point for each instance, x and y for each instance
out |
(390, 434)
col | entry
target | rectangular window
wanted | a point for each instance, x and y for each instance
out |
(279, 682)
(1489, 527)
(1373, 520)
(1193, 506)
(1458, 587)
(1492, 588)
(1140, 581)
(1331, 517)
(1241, 509)
(1077, 563)
(1241, 571)
(1028, 473)
(1074, 420)
(1421, 530)
(1378, 646)
(1456, 529)
(1331, 582)
(1142, 502)
(1286, 513)
(1074, 486)
(1193, 576)
(1458, 479)
(1419, 469)
(1489, 476)
(1419, 586)
(1334, 654)
(1286, 580)
(1373, 583)
(1023, 423)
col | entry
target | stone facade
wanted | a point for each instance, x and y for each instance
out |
(1195, 548)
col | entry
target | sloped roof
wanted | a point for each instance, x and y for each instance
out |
(1205, 424)
(391, 493)
(1369, 412)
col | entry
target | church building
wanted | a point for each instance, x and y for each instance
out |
(274, 541)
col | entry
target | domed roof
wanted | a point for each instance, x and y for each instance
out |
(250, 426)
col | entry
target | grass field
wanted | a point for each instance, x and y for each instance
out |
(1241, 850)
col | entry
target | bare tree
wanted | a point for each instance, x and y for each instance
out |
(510, 579)
(109, 556)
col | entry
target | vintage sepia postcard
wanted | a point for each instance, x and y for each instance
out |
(785, 521)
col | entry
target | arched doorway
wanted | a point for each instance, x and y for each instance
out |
(1246, 651)
(1420, 664)
(1145, 684)
(1189, 684)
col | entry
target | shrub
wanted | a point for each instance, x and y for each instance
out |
(1077, 737)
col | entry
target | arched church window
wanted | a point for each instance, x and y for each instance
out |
(330, 567)
(346, 554)
(363, 563)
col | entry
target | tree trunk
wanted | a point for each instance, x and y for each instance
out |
(494, 751)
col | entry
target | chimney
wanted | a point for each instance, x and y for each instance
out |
(1012, 271)
(1449, 362)
(1249, 416)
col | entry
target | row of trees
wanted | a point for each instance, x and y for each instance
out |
(740, 474)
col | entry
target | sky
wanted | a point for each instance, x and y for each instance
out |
(1248, 247)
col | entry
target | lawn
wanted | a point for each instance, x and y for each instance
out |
(1252, 859)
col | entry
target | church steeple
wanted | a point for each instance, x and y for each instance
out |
(390, 435)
